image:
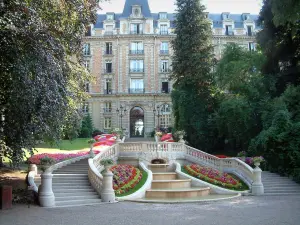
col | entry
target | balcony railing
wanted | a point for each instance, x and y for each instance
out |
(164, 52)
(165, 70)
(136, 90)
(166, 90)
(108, 91)
(136, 52)
(107, 110)
(108, 52)
(87, 52)
(107, 71)
(229, 33)
(163, 32)
(136, 32)
(108, 33)
(136, 70)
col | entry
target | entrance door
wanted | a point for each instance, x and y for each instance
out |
(137, 122)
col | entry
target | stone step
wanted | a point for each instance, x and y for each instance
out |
(71, 182)
(70, 172)
(280, 194)
(76, 166)
(281, 191)
(177, 193)
(77, 197)
(158, 167)
(159, 184)
(282, 186)
(67, 171)
(73, 190)
(70, 186)
(76, 202)
(164, 176)
(78, 193)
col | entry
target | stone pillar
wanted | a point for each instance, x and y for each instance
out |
(257, 186)
(107, 192)
(46, 196)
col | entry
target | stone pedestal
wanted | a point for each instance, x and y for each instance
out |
(257, 186)
(107, 192)
(46, 196)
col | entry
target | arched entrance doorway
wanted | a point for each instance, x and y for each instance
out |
(137, 122)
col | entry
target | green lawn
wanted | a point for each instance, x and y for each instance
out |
(76, 144)
(63, 146)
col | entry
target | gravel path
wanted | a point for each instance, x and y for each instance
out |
(265, 210)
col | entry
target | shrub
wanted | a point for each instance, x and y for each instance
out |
(96, 132)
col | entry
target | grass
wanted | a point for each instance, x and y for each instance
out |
(243, 188)
(138, 186)
(76, 144)
(64, 146)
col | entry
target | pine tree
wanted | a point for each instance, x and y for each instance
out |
(192, 46)
(192, 63)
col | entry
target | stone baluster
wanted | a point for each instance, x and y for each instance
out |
(46, 195)
(257, 186)
(107, 192)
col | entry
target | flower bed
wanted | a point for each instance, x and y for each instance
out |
(215, 177)
(57, 157)
(126, 177)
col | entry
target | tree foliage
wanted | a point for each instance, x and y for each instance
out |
(191, 72)
(41, 80)
(280, 41)
(87, 127)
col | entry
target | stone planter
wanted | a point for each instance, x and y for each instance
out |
(257, 164)
(118, 140)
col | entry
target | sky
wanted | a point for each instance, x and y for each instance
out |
(213, 6)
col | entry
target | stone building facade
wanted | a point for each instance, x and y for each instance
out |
(129, 55)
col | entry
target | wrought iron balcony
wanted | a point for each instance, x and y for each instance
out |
(108, 91)
(136, 32)
(165, 70)
(164, 52)
(107, 110)
(108, 33)
(229, 33)
(108, 52)
(163, 32)
(107, 71)
(166, 90)
(136, 90)
(136, 52)
(136, 70)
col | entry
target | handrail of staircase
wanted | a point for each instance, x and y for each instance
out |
(233, 165)
(95, 168)
(46, 195)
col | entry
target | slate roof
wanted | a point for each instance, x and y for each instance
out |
(216, 18)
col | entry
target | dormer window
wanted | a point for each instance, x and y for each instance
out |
(225, 16)
(163, 16)
(109, 17)
(136, 10)
(246, 16)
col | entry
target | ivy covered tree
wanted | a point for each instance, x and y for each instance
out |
(41, 80)
(192, 63)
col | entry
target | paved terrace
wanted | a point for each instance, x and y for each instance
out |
(259, 210)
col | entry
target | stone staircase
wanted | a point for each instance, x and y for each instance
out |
(275, 184)
(71, 186)
(167, 186)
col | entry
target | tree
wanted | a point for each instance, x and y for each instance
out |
(41, 80)
(191, 63)
(86, 127)
(244, 92)
(280, 41)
